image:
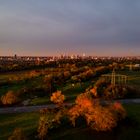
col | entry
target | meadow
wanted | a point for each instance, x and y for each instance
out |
(37, 86)
(22, 80)
(29, 122)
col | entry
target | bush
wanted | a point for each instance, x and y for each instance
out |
(115, 92)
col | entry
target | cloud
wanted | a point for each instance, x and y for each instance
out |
(58, 24)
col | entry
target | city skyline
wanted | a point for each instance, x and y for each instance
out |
(93, 27)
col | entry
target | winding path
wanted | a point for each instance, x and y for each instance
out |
(8, 110)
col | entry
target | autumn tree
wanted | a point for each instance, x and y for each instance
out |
(44, 124)
(32, 74)
(10, 98)
(115, 91)
(94, 91)
(51, 117)
(57, 98)
(102, 119)
(67, 74)
(17, 134)
(83, 105)
(98, 117)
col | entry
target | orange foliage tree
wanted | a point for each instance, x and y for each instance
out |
(10, 98)
(97, 116)
(44, 124)
(17, 134)
(101, 118)
(94, 91)
(51, 117)
(57, 98)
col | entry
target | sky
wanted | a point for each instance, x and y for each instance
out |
(54, 27)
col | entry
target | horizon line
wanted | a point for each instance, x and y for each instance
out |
(69, 55)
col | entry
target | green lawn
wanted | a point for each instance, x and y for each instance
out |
(133, 77)
(131, 132)
(128, 130)
(8, 122)
(69, 92)
(40, 101)
(17, 85)
(29, 121)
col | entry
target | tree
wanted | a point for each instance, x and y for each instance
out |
(67, 74)
(10, 98)
(94, 91)
(102, 119)
(44, 124)
(32, 74)
(51, 117)
(98, 117)
(17, 135)
(83, 106)
(57, 98)
(84, 101)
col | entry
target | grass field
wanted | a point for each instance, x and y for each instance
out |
(72, 92)
(133, 77)
(17, 85)
(29, 121)
(68, 90)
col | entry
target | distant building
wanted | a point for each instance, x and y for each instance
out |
(137, 65)
(84, 54)
(15, 56)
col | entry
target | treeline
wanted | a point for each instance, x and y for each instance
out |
(50, 81)
(17, 65)
(11, 66)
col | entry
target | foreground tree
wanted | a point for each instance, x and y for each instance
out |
(102, 119)
(44, 124)
(51, 117)
(17, 134)
(98, 117)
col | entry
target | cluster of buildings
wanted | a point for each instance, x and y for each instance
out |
(54, 58)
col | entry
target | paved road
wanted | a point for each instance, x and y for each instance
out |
(8, 110)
